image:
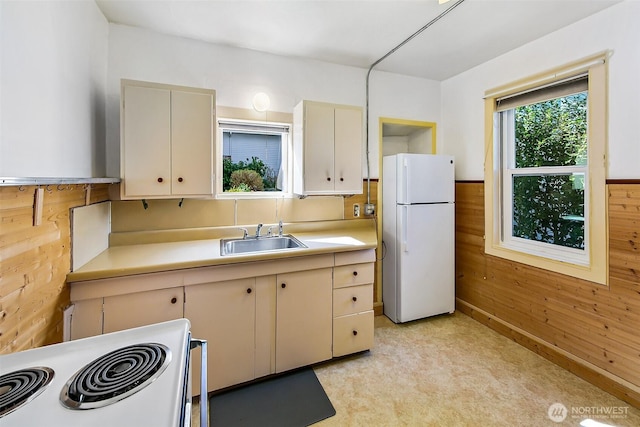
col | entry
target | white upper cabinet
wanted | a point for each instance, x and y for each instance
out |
(327, 148)
(167, 141)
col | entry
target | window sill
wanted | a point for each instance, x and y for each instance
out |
(584, 272)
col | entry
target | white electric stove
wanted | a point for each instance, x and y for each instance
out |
(136, 377)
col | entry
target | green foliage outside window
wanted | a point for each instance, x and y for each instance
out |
(550, 207)
(264, 173)
(247, 177)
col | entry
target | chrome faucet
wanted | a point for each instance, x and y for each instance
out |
(270, 232)
(258, 228)
(245, 232)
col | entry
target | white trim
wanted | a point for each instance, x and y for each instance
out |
(594, 265)
(259, 127)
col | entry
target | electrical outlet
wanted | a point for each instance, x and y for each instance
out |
(369, 209)
(356, 210)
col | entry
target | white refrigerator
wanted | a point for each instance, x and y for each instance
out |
(418, 235)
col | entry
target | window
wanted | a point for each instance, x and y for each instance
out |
(254, 158)
(545, 194)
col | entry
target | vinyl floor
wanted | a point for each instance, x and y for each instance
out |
(452, 371)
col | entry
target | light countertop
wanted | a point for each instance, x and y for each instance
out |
(150, 256)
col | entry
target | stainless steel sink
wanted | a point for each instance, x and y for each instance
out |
(261, 244)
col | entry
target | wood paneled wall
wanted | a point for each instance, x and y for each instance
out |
(589, 329)
(34, 262)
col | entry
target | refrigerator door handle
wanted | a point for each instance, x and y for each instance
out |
(405, 220)
(405, 180)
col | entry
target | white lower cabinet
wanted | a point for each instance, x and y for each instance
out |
(303, 318)
(141, 308)
(352, 333)
(224, 314)
(293, 313)
(352, 305)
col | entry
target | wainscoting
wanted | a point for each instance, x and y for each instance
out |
(589, 329)
(36, 260)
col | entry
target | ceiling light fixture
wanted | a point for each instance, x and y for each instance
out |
(261, 102)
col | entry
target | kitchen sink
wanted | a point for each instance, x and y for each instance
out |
(252, 244)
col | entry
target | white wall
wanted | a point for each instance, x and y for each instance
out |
(615, 28)
(53, 67)
(402, 97)
(237, 74)
(53, 85)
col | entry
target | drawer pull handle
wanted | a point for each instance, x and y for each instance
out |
(284, 285)
(355, 273)
(354, 299)
(249, 290)
(160, 179)
(355, 332)
(180, 179)
(174, 300)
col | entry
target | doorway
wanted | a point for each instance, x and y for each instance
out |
(406, 136)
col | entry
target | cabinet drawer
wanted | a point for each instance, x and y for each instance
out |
(349, 275)
(352, 333)
(355, 257)
(354, 299)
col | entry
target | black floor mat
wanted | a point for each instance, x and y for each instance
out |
(294, 399)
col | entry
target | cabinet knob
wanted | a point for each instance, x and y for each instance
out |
(355, 332)
(180, 179)
(354, 299)
(341, 179)
(174, 300)
(248, 290)
(328, 178)
(160, 179)
(284, 285)
(355, 273)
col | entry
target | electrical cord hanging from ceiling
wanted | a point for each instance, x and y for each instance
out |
(392, 51)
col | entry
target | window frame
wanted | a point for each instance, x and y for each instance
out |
(592, 263)
(507, 172)
(286, 156)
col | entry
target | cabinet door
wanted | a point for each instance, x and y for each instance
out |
(146, 145)
(142, 308)
(318, 148)
(303, 319)
(86, 319)
(192, 143)
(223, 313)
(348, 150)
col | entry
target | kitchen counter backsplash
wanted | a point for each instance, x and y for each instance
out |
(198, 213)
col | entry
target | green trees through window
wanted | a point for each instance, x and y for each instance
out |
(548, 174)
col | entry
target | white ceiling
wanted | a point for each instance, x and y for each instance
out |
(359, 32)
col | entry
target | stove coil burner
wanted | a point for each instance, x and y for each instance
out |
(20, 387)
(115, 376)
